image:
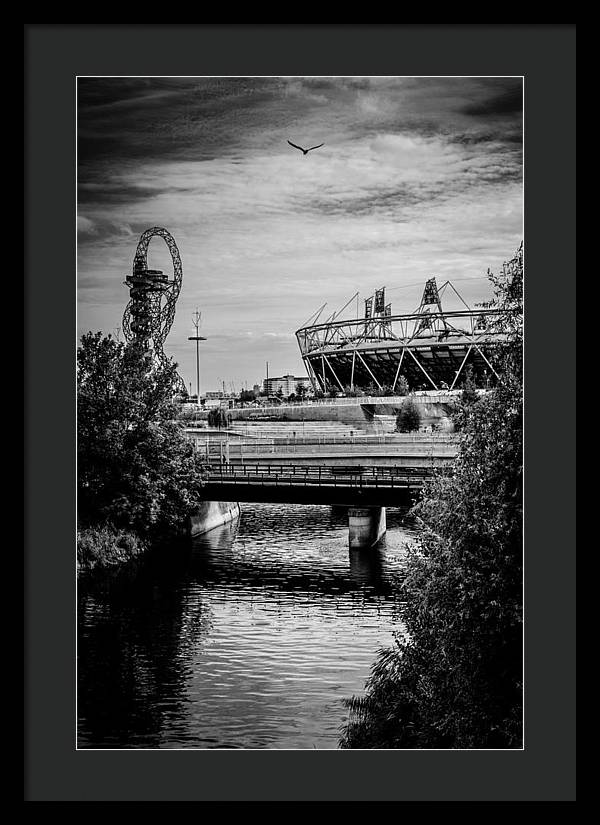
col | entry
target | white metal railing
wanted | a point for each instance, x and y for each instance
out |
(347, 440)
(248, 449)
(327, 438)
(226, 451)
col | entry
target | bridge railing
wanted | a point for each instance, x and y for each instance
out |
(303, 469)
(318, 474)
(263, 443)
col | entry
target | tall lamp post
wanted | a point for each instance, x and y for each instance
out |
(197, 338)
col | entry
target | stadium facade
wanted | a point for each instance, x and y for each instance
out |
(431, 348)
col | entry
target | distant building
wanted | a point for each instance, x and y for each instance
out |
(189, 406)
(286, 383)
(218, 398)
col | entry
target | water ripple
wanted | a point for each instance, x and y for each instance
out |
(252, 640)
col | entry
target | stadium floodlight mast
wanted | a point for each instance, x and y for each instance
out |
(197, 338)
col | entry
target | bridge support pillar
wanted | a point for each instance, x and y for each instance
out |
(366, 525)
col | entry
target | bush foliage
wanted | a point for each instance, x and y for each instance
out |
(103, 547)
(409, 417)
(402, 387)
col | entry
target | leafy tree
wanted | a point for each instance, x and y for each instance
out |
(247, 396)
(401, 386)
(300, 390)
(454, 678)
(508, 297)
(136, 470)
(469, 394)
(409, 418)
(383, 391)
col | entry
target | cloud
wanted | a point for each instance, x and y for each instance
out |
(507, 101)
(100, 229)
(416, 178)
(85, 226)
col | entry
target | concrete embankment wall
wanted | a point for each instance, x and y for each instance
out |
(348, 414)
(213, 514)
(432, 408)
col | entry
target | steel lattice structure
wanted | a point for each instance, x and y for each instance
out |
(150, 312)
(430, 347)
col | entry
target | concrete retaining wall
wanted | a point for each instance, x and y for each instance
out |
(432, 410)
(213, 514)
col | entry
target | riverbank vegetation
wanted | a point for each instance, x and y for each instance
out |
(454, 678)
(138, 477)
(105, 547)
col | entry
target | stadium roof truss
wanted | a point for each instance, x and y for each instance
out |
(430, 347)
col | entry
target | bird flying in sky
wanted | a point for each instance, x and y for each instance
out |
(305, 151)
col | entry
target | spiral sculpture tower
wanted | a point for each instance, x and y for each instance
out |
(150, 312)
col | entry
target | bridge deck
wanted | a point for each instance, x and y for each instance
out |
(305, 484)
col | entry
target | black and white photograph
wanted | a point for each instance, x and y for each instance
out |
(299, 412)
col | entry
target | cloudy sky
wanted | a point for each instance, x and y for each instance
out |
(418, 177)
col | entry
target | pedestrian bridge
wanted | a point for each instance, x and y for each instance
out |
(351, 485)
(364, 472)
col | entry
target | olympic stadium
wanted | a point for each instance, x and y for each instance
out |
(432, 348)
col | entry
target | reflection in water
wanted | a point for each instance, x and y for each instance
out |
(249, 638)
(368, 568)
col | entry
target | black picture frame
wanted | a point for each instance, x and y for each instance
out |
(54, 55)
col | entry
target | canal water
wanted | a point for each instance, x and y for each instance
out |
(250, 639)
